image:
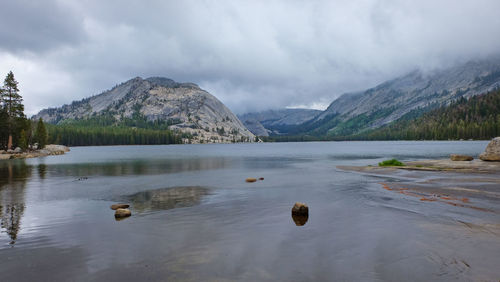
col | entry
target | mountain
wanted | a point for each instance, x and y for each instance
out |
(276, 121)
(184, 106)
(409, 95)
(475, 118)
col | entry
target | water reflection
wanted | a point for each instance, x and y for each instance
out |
(140, 167)
(168, 198)
(13, 176)
(42, 171)
(300, 220)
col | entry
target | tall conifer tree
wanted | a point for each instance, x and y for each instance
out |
(12, 102)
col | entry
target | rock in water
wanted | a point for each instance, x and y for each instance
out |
(492, 152)
(300, 209)
(118, 206)
(250, 179)
(455, 157)
(120, 213)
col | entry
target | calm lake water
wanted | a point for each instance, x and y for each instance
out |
(194, 218)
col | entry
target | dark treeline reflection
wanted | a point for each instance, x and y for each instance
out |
(13, 177)
(140, 167)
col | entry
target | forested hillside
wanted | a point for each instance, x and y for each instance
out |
(106, 130)
(475, 118)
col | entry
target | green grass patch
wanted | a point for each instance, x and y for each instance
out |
(392, 162)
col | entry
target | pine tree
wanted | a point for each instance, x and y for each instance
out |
(23, 141)
(12, 102)
(41, 136)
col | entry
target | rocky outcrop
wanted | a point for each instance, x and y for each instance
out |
(492, 152)
(188, 108)
(456, 157)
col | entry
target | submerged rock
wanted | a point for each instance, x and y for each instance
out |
(250, 179)
(492, 152)
(168, 198)
(261, 178)
(119, 206)
(456, 157)
(120, 213)
(300, 209)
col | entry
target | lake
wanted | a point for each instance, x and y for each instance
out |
(194, 218)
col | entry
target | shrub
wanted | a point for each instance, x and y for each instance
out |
(392, 162)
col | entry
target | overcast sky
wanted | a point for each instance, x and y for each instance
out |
(252, 55)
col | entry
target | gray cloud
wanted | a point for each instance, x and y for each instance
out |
(252, 55)
(37, 26)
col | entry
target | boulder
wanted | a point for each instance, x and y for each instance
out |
(456, 157)
(18, 150)
(300, 209)
(117, 206)
(250, 179)
(120, 213)
(492, 152)
(56, 149)
(2, 152)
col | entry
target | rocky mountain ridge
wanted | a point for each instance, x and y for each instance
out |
(393, 99)
(187, 107)
(406, 96)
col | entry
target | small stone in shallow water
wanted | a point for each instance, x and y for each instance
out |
(261, 178)
(300, 209)
(119, 206)
(122, 213)
(250, 179)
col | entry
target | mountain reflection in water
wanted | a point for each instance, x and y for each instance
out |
(167, 198)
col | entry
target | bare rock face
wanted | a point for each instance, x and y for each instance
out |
(300, 209)
(492, 152)
(188, 108)
(455, 157)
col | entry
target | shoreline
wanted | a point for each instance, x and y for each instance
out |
(49, 150)
(463, 184)
(443, 165)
